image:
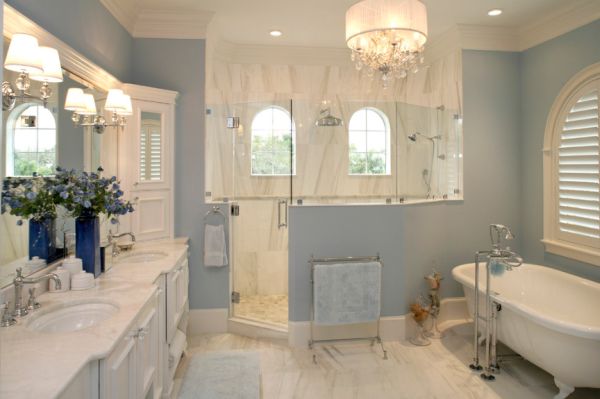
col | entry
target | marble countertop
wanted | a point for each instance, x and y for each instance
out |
(41, 365)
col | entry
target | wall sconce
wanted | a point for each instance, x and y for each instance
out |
(31, 61)
(83, 106)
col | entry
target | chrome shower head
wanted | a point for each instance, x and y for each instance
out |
(413, 137)
(328, 120)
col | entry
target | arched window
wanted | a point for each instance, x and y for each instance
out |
(273, 143)
(572, 170)
(369, 143)
(31, 141)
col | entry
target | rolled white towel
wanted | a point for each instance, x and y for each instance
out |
(215, 248)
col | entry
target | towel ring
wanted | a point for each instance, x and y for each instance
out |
(216, 210)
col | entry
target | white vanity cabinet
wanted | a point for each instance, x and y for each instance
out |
(146, 162)
(177, 296)
(131, 370)
(176, 309)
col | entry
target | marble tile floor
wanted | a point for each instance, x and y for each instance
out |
(357, 370)
(272, 309)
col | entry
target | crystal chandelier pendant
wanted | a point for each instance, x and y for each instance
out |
(387, 36)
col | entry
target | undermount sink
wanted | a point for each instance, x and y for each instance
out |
(140, 257)
(72, 317)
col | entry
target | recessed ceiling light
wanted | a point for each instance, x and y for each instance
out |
(276, 33)
(495, 12)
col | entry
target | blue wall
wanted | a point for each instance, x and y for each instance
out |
(179, 65)
(412, 239)
(86, 26)
(545, 70)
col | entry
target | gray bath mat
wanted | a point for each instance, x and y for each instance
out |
(222, 375)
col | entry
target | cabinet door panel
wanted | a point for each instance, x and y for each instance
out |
(120, 372)
(172, 316)
(147, 348)
(151, 219)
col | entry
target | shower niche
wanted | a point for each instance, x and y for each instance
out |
(289, 152)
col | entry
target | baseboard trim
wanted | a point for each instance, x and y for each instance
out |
(249, 328)
(207, 321)
(394, 328)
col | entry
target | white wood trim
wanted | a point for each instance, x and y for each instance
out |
(193, 24)
(491, 38)
(152, 94)
(207, 321)
(571, 15)
(554, 122)
(172, 24)
(577, 252)
(71, 60)
(123, 11)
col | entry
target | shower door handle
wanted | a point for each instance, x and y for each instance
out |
(281, 223)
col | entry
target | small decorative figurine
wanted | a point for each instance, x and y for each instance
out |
(420, 314)
(434, 280)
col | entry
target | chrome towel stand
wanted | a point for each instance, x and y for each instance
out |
(349, 259)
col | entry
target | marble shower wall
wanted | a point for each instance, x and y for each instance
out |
(260, 249)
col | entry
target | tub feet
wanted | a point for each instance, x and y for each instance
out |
(564, 389)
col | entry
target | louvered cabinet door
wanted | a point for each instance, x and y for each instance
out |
(578, 204)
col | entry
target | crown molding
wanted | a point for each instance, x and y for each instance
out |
(572, 15)
(71, 60)
(172, 24)
(190, 24)
(153, 94)
(493, 38)
(124, 12)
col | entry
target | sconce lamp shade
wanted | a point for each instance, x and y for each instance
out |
(75, 100)
(52, 72)
(128, 108)
(23, 54)
(90, 105)
(115, 101)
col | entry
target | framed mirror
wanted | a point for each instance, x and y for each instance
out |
(38, 138)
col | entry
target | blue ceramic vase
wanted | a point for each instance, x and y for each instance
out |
(87, 243)
(42, 239)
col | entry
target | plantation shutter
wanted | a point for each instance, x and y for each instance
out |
(579, 174)
(151, 152)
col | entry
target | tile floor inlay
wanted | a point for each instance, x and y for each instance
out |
(266, 308)
(357, 370)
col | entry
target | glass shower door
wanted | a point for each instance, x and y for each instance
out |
(263, 164)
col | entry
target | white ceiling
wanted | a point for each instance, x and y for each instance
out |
(320, 23)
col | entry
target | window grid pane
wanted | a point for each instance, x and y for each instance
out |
(273, 137)
(33, 142)
(370, 157)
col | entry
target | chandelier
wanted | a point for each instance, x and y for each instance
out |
(387, 36)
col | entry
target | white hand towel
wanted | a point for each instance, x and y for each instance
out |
(215, 250)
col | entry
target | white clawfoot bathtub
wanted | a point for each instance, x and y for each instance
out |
(549, 317)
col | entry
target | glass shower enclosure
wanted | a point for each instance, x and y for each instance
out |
(265, 156)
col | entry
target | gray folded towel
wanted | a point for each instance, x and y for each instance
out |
(215, 248)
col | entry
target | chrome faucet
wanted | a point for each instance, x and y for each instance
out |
(508, 259)
(113, 238)
(19, 281)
